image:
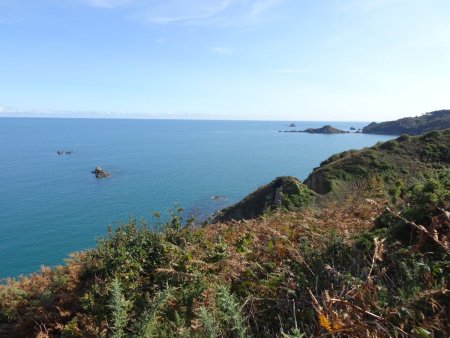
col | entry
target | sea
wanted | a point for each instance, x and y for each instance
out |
(51, 204)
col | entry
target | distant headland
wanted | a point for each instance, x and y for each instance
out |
(436, 120)
(323, 130)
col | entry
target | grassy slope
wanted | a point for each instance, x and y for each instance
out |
(412, 125)
(396, 162)
(293, 195)
(318, 271)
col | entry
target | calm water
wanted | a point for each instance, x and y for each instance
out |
(51, 205)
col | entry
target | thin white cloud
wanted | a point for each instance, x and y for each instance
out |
(4, 110)
(109, 3)
(179, 11)
(290, 71)
(221, 50)
(193, 12)
(161, 41)
(259, 7)
(9, 12)
(371, 5)
(59, 113)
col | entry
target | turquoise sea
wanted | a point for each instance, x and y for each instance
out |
(51, 205)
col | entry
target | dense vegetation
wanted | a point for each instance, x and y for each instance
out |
(436, 120)
(398, 162)
(373, 262)
(286, 192)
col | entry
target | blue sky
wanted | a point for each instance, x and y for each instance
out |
(225, 59)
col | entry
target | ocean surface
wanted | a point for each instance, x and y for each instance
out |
(51, 205)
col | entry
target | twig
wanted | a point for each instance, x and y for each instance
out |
(420, 228)
(370, 314)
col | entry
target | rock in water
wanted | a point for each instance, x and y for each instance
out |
(100, 173)
(292, 125)
(64, 152)
(324, 130)
(218, 198)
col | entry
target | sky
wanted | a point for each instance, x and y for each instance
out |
(326, 60)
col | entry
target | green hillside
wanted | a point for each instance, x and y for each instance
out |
(436, 120)
(402, 161)
(287, 193)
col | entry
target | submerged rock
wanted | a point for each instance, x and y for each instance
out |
(100, 173)
(218, 198)
(64, 152)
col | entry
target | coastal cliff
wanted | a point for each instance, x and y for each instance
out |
(283, 192)
(404, 159)
(436, 120)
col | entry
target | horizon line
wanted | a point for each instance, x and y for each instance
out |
(171, 119)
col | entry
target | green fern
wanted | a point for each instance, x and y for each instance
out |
(230, 311)
(119, 307)
(148, 327)
(208, 322)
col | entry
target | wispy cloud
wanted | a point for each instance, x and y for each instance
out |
(259, 7)
(221, 50)
(289, 70)
(193, 12)
(370, 5)
(5, 109)
(161, 41)
(109, 3)
(179, 11)
(60, 113)
(10, 11)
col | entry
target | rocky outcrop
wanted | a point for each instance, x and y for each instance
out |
(325, 130)
(100, 173)
(292, 125)
(64, 152)
(436, 120)
(284, 192)
(318, 182)
(218, 198)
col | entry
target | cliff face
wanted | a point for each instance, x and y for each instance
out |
(436, 120)
(404, 159)
(283, 192)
